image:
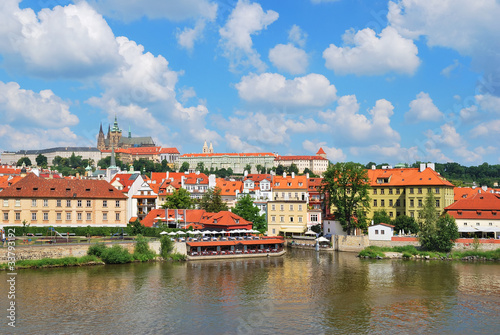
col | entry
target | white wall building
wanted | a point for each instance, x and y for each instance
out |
(380, 232)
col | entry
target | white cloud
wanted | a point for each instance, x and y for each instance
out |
(488, 102)
(448, 137)
(297, 36)
(25, 138)
(306, 126)
(372, 55)
(438, 20)
(468, 113)
(25, 107)
(72, 41)
(449, 69)
(287, 57)
(423, 109)
(487, 129)
(379, 152)
(188, 36)
(348, 126)
(333, 154)
(313, 90)
(234, 142)
(130, 10)
(245, 20)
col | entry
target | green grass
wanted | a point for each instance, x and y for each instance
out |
(410, 251)
(177, 257)
(54, 262)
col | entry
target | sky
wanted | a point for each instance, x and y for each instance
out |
(367, 80)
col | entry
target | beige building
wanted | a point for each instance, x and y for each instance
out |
(62, 203)
(287, 212)
(317, 164)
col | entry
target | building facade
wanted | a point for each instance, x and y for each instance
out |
(114, 139)
(62, 203)
(235, 161)
(90, 153)
(316, 164)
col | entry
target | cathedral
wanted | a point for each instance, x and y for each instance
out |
(115, 140)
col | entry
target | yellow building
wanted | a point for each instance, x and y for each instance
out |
(62, 202)
(402, 191)
(287, 211)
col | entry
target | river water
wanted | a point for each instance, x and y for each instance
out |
(303, 292)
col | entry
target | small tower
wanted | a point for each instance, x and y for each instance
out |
(205, 148)
(321, 153)
(101, 144)
(211, 149)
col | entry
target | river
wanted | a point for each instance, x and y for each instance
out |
(303, 292)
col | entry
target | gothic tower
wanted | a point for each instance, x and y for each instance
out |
(101, 145)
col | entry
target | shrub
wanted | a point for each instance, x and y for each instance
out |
(407, 254)
(166, 246)
(177, 257)
(96, 249)
(116, 255)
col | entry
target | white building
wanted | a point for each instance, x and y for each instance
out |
(65, 152)
(236, 161)
(317, 164)
(380, 232)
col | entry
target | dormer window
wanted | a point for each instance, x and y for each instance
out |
(300, 184)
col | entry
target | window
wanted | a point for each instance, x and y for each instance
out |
(274, 231)
(33, 202)
(45, 216)
(382, 202)
(412, 203)
(437, 190)
(390, 202)
(382, 191)
(300, 219)
(477, 224)
(18, 216)
(58, 203)
(282, 218)
(382, 232)
(314, 217)
(465, 223)
(33, 216)
(78, 203)
(273, 218)
(79, 216)
(117, 217)
(419, 190)
(58, 216)
(397, 191)
(104, 216)
(300, 207)
(282, 207)
(273, 207)
(89, 216)
(18, 203)
(68, 203)
(437, 202)
(376, 231)
(105, 203)
(429, 190)
(5, 216)
(291, 219)
(390, 191)
(291, 207)
(397, 202)
(5, 202)
(375, 203)
(412, 215)
(411, 190)
(374, 191)
(419, 202)
(68, 216)
(391, 214)
(45, 203)
(117, 203)
(491, 224)
(89, 203)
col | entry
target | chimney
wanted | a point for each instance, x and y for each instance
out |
(284, 174)
(422, 167)
(167, 174)
(432, 166)
(293, 175)
(373, 167)
(245, 173)
(485, 188)
(307, 175)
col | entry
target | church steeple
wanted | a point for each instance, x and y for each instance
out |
(211, 149)
(205, 148)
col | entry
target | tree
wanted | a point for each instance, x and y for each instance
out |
(75, 161)
(24, 160)
(41, 161)
(135, 228)
(106, 162)
(180, 199)
(381, 216)
(259, 168)
(441, 235)
(212, 202)
(370, 164)
(345, 185)
(406, 223)
(229, 172)
(311, 174)
(184, 167)
(280, 169)
(200, 167)
(293, 168)
(428, 215)
(246, 209)
(248, 168)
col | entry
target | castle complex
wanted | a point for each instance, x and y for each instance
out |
(115, 140)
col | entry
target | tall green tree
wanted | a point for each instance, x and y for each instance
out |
(212, 201)
(292, 168)
(184, 167)
(345, 186)
(439, 236)
(248, 168)
(279, 170)
(24, 160)
(41, 161)
(428, 215)
(247, 210)
(179, 199)
(381, 216)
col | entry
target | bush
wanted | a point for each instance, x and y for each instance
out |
(177, 257)
(96, 249)
(439, 236)
(141, 250)
(116, 255)
(166, 246)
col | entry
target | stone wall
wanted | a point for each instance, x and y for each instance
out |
(350, 243)
(461, 244)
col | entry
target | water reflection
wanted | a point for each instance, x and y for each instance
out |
(302, 292)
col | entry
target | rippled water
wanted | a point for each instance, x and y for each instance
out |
(301, 293)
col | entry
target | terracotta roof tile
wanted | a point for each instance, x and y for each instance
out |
(406, 177)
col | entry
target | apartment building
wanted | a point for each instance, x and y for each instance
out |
(62, 202)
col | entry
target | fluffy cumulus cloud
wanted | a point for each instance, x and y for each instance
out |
(288, 58)
(245, 20)
(351, 127)
(423, 109)
(449, 137)
(395, 152)
(234, 142)
(32, 120)
(488, 102)
(72, 41)
(333, 154)
(437, 21)
(366, 53)
(297, 36)
(489, 129)
(313, 90)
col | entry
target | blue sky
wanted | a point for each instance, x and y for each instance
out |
(383, 81)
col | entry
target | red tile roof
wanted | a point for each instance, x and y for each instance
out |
(32, 186)
(242, 242)
(229, 188)
(406, 177)
(482, 205)
(232, 154)
(7, 169)
(257, 177)
(314, 184)
(192, 216)
(279, 182)
(169, 151)
(300, 158)
(467, 192)
(224, 219)
(321, 152)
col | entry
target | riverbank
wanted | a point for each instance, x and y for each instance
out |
(410, 252)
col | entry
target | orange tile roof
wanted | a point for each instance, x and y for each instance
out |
(169, 151)
(223, 218)
(300, 158)
(6, 181)
(479, 201)
(467, 192)
(242, 242)
(257, 177)
(229, 188)
(279, 182)
(321, 152)
(192, 216)
(233, 154)
(7, 169)
(313, 184)
(125, 179)
(406, 177)
(32, 186)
